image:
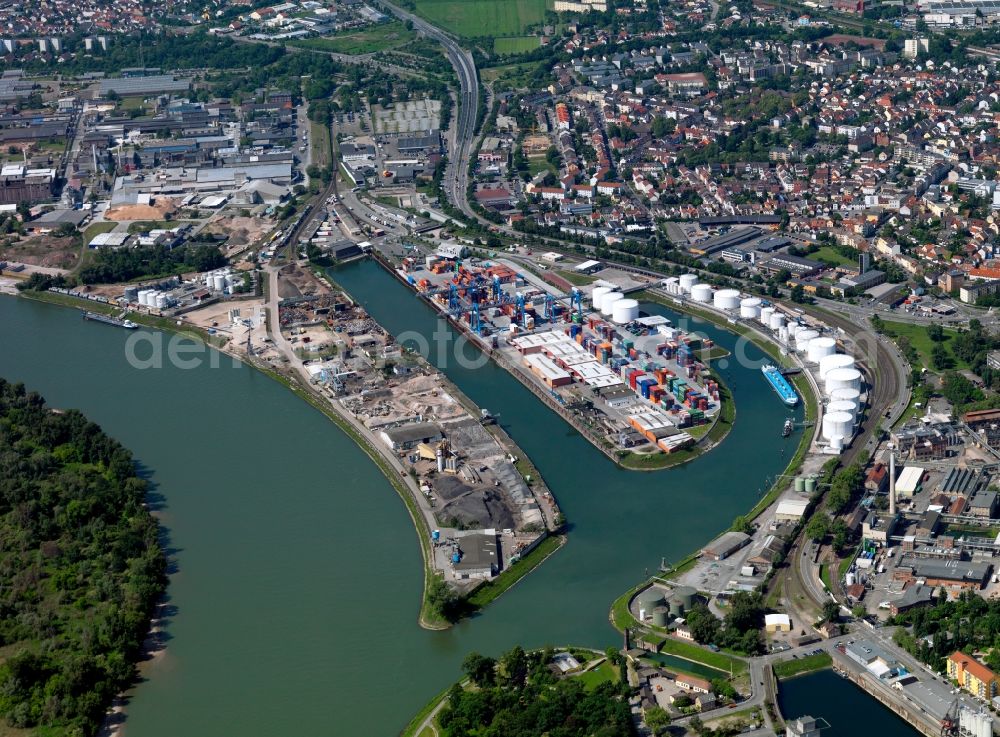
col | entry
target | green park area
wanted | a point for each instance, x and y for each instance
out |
(368, 40)
(925, 340)
(481, 18)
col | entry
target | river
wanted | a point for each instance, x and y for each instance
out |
(298, 576)
(848, 709)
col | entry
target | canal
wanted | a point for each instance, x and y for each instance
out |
(298, 576)
(848, 709)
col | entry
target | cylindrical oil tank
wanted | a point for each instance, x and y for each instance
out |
(793, 329)
(777, 321)
(687, 281)
(131, 294)
(701, 293)
(843, 378)
(837, 442)
(800, 484)
(660, 616)
(650, 599)
(750, 308)
(810, 484)
(685, 595)
(846, 395)
(783, 334)
(218, 282)
(834, 361)
(608, 301)
(837, 424)
(161, 301)
(765, 315)
(819, 348)
(597, 295)
(625, 311)
(145, 295)
(676, 607)
(726, 299)
(842, 405)
(803, 336)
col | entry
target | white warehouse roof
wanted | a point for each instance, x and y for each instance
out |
(793, 508)
(909, 480)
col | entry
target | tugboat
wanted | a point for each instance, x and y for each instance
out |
(787, 429)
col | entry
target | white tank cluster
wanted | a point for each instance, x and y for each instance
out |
(845, 406)
(220, 281)
(846, 395)
(624, 311)
(687, 281)
(834, 361)
(608, 301)
(803, 336)
(837, 425)
(750, 308)
(843, 378)
(820, 348)
(777, 321)
(726, 299)
(147, 297)
(597, 295)
(765, 316)
(701, 293)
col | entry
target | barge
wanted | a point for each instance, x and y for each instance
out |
(780, 385)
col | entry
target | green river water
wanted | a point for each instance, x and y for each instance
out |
(295, 597)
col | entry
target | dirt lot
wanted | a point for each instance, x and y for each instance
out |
(294, 281)
(60, 253)
(157, 211)
(240, 230)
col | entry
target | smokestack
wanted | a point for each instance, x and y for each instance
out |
(892, 481)
(440, 460)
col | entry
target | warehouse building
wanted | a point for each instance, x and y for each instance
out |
(960, 574)
(479, 555)
(407, 437)
(725, 545)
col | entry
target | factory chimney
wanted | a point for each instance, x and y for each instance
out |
(892, 481)
(440, 460)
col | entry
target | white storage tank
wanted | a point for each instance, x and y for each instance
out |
(726, 299)
(147, 297)
(793, 329)
(834, 361)
(846, 378)
(846, 395)
(777, 321)
(783, 334)
(608, 301)
(837, 442)
(765, 315)
(750, 308)
(161, 301)
(837, 425)
(597, 295)
(625, 311)
(218, 282)
(803, 336)
(819, 348)
(687, 281)
(701, 293)
(843, 405)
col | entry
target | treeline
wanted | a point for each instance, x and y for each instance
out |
(969, 623)
(518, 696)
(194, 51)
(112, 266)
(80, 567)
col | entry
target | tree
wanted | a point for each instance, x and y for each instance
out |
(513, 668)
(940, 359)
(746, 612)
(658, 720)
(935, 332)
(441, 598)
(798, 294)
(742, 524)
(831, 611)
(724, 688)
(479, 669)
(959, 391)
(818, 527)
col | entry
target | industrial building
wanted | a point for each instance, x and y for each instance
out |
(951, 573)
(725, 545)
(407, 437)
(477, 555)
(873, 658)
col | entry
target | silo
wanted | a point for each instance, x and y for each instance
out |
(843, 405)
(625, 311)
(218, 282)
(834, 361)
(846, 378)
(819, 348)
(685, 595)
(687, 281)
(847, 395)
(701, 293)
(726, 299)
(810, 484)
(161, 301)
(800, 484)
(849, 579)
(597, 294)
(676, 606)
(660, 616)
(750, 308)
(608, 301)
(837, 425)
(144, 295)
(777, 321)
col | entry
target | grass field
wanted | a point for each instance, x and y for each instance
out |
(580, 280)
(477, 18)
(515, 44)
(321, 154)
(366, 41)
(830, 255)
(922, 344)
(604, 673)
(806, 664)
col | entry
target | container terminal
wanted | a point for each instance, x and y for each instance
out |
(630, 382)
